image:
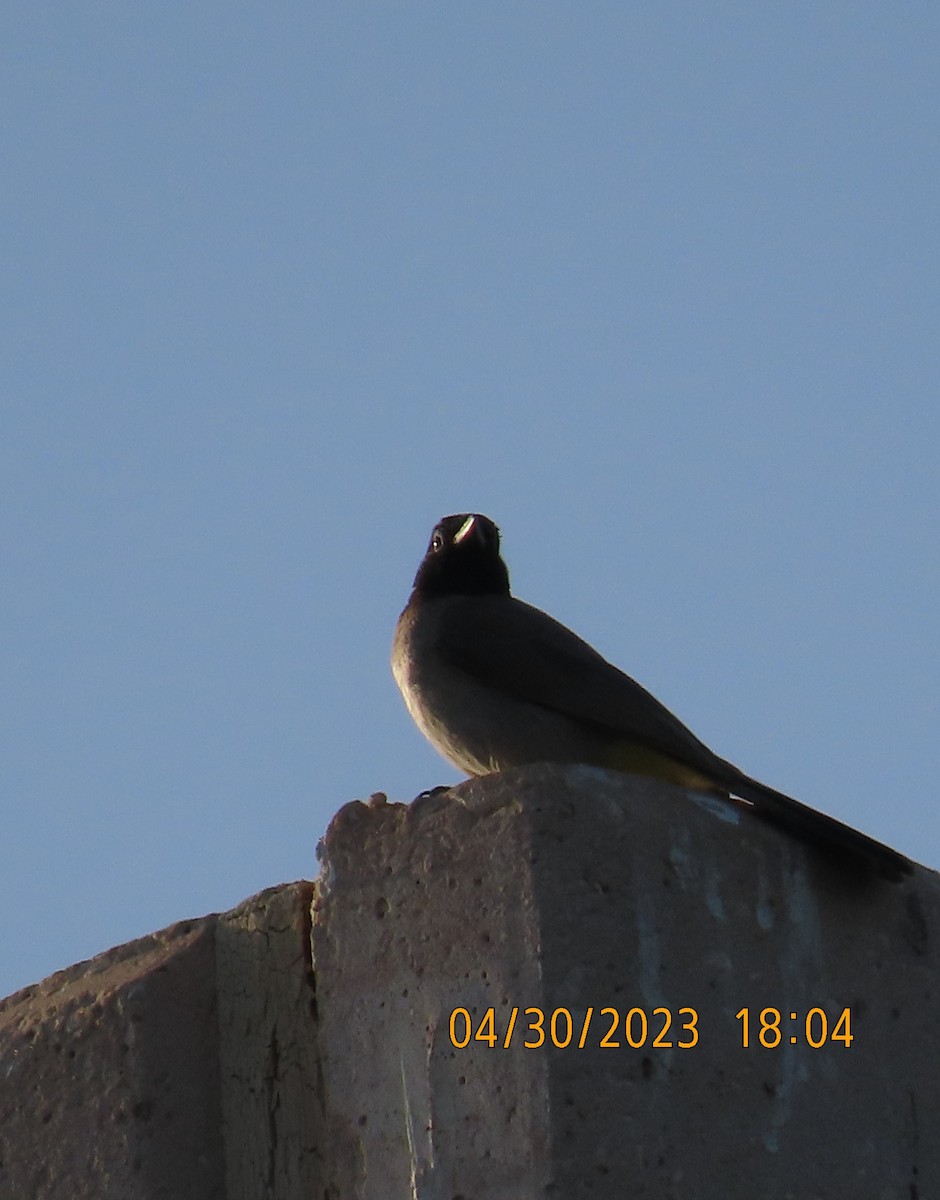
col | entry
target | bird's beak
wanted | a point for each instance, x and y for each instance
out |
(465, 529)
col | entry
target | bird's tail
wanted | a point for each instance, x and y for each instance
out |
(817, 829)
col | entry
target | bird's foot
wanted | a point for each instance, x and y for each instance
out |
(431, 793)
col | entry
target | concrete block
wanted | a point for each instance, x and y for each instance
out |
(570, 890)
(177, 1066)
(202, 1062)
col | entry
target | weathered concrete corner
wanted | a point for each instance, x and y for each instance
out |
(644, 928)
(568, 890)
(156, 1069)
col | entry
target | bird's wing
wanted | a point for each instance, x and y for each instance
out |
(520, 650)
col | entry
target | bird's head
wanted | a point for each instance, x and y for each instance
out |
(462, 559)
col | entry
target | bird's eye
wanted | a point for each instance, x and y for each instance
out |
(437, 540)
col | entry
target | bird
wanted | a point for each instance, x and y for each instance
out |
(495, 683)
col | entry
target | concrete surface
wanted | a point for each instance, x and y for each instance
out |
(572, 888)
(177, 1066)
(215, 1060)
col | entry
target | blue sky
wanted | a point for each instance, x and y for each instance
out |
(655, 287)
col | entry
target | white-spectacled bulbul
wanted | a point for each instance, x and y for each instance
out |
(494, 683)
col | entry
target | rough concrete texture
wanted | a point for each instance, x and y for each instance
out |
(178, 1066)
(573, 888)
(198, 1062)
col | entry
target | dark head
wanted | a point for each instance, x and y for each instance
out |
(462, 559)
